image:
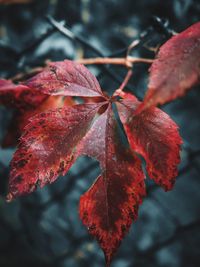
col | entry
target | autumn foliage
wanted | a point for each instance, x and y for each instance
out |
(176, 68)
(55, 130)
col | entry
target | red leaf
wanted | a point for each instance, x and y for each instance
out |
(21, 118)
(55, 139)
(111, 204)
(176, 69)
(27, 102)
(66, 78)
(155, 136)
(48, 147)
(19, 96)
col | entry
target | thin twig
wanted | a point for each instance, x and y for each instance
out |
(67, 33)
(126, 80)
(127, 62)
(124, 83)
(132, 45)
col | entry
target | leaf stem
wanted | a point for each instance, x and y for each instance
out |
(119, 92)
(126, 80)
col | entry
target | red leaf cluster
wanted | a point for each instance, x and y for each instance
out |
(53, 140)
(61, 131)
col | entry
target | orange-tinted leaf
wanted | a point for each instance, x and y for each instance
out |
(69, 101)
(19, 96)
(155, 136)
(21, 118)
(48, 147)
(176, 69)
(24, 100)
(27, 102)
(111, 204)
(66, 78)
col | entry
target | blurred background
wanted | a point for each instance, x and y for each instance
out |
(43, 229)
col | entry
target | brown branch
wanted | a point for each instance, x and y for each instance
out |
(127, 62)
(132, 45)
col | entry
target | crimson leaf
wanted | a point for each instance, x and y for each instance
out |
(19, 96)
(111, 204)
(48, 147)
(66, 78)
(21, 118)
(155, 136)
(53, 141)
(176, 69)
